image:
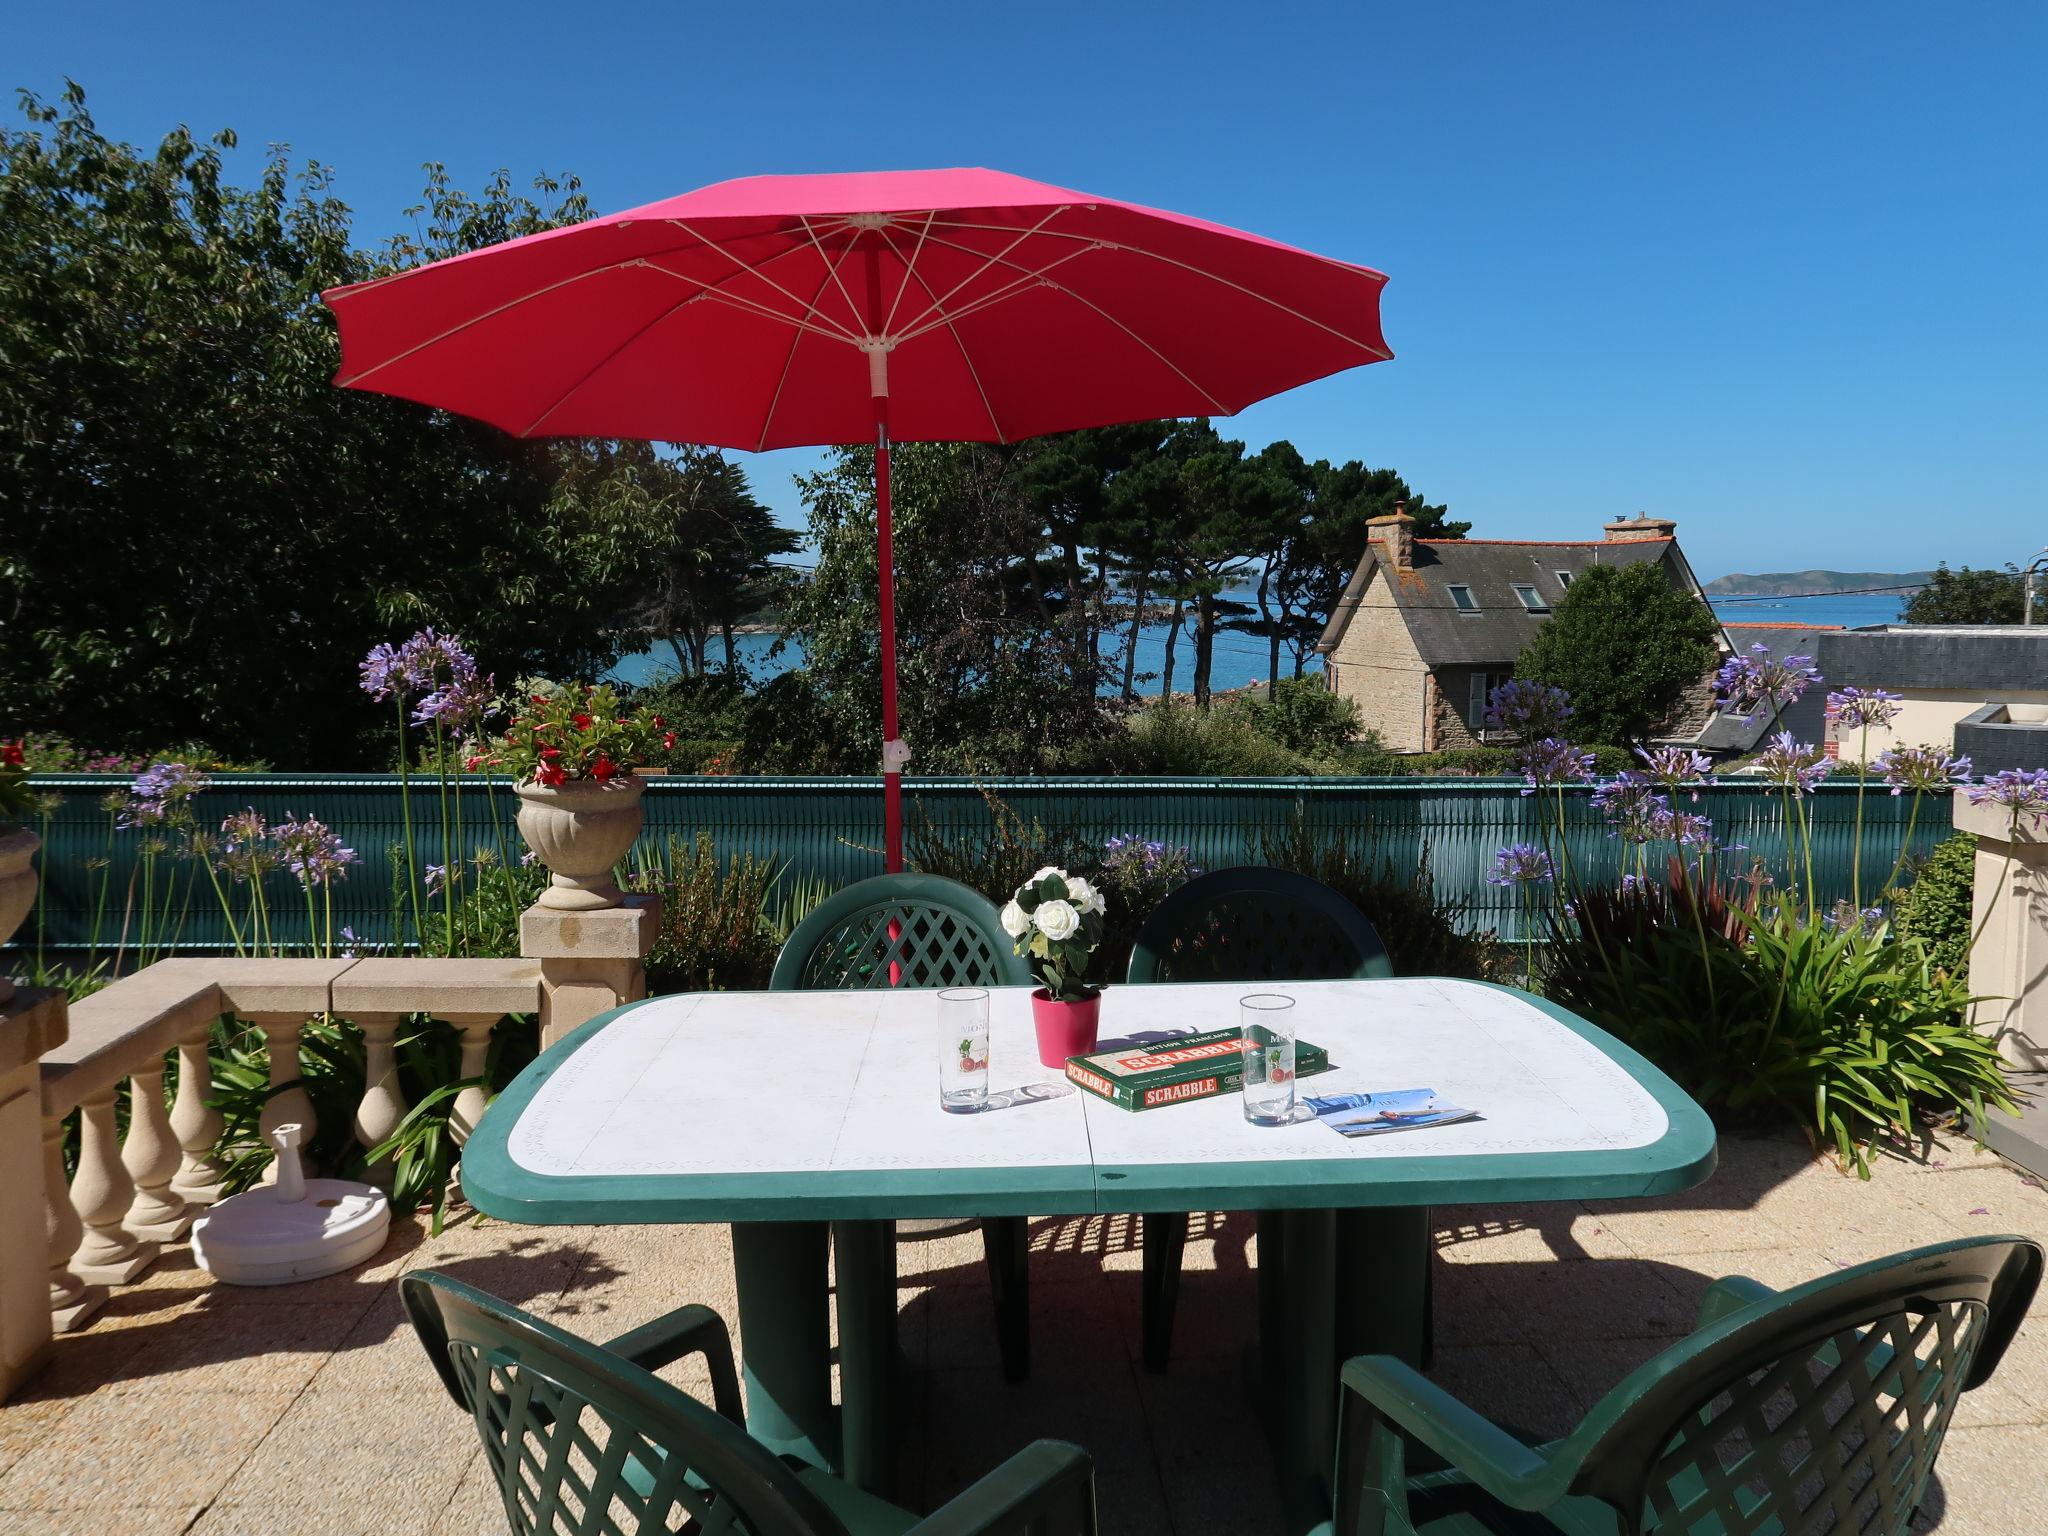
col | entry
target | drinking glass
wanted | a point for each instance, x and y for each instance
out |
(963, 1050)
(1267, 1023)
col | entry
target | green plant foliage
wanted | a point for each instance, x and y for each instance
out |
(1626, 644)
(1303, 715)
(1425, 934)
(722, 920)
(1854, 1034)
(1169, 737)
(1935, 908)
(791, 728)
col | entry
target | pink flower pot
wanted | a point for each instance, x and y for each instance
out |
(1064, 1029)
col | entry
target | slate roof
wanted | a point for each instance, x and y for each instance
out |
(1490, 568)
(1806, 718)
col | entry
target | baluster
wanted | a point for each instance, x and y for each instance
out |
(291, 1106)
(103, 1191)
(150, 1154)
(196, 1124)
(72, 1301)
(383, 1105)
(471, 1103)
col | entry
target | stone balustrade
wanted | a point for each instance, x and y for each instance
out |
(132, 1194)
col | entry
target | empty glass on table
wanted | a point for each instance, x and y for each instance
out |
(1267, 1023)
(963, 1050)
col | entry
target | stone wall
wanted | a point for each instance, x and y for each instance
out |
(1376, 666)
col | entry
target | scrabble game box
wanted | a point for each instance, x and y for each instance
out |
(1174, 1071)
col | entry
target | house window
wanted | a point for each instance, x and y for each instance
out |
(1463, 600)
(1531, 598)
(1480, 690)
(1564, 578)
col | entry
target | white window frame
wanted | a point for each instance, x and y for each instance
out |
(1454, 588)
(1564, 579)
(1531, 597)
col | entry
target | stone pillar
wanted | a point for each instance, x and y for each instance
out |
(151, 1155)
(31, 1022)
(289, 1105)
(2009, 965)
(589, 961)
(102, 1189)
(195, 1123)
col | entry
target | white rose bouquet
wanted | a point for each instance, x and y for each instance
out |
(1056, 919)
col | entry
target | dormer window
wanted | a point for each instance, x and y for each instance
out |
(1564, 578)
(1531, 598)
(1463, 600)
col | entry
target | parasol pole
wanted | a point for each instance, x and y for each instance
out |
(895, 754)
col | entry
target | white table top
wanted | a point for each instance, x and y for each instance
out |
(797, 1094)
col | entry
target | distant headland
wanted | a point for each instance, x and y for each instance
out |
(1786, 583)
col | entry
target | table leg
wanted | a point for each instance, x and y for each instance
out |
(864, 1263)
(1302, 1361)
(785, 1337)
(1383, 1257)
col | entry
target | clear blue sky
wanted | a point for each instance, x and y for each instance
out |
(1777, 272)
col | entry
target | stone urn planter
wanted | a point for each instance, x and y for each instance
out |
(17, 887)
(581, 830)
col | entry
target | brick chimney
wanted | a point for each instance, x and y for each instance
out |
(1642, 526)
(1395, 535)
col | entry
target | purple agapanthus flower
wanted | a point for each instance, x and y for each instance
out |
(1520, 864)
(1751, 684)
(312, 852)
(1925, 770)
(1549, 763)
(1673, 766)
(1528, 708)
(421, 665)
(1632, 806)
(2022, 791)
(459, 704)
(1686, 829)
(1794, 765)
(157, 792)
(435, 877)
(1844, 917)
(245, 852)
(1860, 709)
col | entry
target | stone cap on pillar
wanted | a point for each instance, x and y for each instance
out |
(1993, 823)
(612, 933)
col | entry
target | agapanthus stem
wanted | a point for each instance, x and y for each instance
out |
(504, 850)
(227, 910)
(312, 921)
(412, 867)
(1856, 854)
(1806, 849)
(2012, 834)
(449, 868)
(1905, 844)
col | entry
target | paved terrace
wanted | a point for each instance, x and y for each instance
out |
(309, 1410)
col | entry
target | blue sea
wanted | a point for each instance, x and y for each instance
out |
(1241, 659)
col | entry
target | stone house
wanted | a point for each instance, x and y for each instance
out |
(1426, 627)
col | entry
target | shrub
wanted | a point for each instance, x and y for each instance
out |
(723, 921)
(1852, 1032)
(48, 752)
(1170, 738)
(1425, 934)
(1302, 715)
(1935, 908)
(790, 728)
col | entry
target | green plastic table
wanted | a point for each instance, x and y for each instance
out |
(803, 1116)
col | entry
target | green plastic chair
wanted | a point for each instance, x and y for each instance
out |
(1818, 1409)
(585, 1440)
(932, 932)
(1238, 925)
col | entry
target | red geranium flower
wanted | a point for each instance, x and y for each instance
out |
(11, 754)
(550, 774)
(604, 769)
(551, 753)
(583, 722)
(668, 741)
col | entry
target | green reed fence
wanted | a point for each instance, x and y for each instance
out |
(831, 829)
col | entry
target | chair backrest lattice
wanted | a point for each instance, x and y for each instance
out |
(900, 930)
(1818, 1412)
(584, 1444)
(1256, 925)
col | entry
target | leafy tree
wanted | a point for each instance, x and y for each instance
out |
(1314, 543)
(715, 544)
(1626, 644)
(990, 674)
(199, 534)
(1969, 597)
